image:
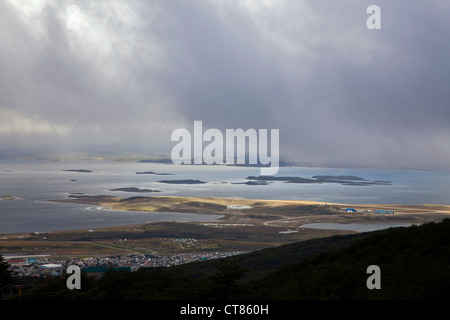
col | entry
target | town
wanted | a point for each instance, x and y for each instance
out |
(42, 266)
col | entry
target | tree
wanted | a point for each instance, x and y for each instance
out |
(225, 282)
(6, 276)
(5, 272)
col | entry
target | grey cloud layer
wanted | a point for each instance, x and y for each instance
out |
(339, 93)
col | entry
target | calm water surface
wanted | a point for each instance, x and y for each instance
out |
(33, 183)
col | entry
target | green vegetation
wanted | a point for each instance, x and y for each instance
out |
(414, 264)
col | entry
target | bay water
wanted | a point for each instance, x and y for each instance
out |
(33, 183)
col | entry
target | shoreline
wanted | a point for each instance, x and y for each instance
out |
(244, 225)
(401, 208)
(146, 204)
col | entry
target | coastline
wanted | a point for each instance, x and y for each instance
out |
(271, 212)
(112, 201)
(274, 213)
(244, 225)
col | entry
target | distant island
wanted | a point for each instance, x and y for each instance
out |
(168, 160)
(8, 198)
(78, 170)
(133, 189)
(155, 173)
(253, 183)
(339, 178)
(185, 181)
(157, 160)
(344, 180)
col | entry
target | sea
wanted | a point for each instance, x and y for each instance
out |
(31, 184)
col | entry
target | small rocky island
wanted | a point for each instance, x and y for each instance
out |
(253, 183)
(155, 173)
(344, 180)
(134, 189)
(8, 198)
(185, 181)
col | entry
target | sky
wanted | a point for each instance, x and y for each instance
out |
(120, 76)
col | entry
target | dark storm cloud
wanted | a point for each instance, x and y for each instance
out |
(341, 95)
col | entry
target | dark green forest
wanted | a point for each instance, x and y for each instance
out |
(414, 263)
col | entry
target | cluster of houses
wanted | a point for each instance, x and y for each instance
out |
(43, 265)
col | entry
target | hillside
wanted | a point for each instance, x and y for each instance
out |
(414, 264)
